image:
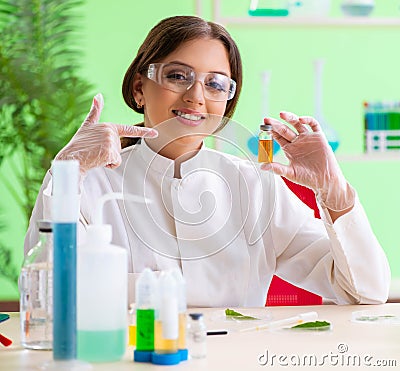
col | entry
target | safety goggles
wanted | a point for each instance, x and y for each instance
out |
(180, 78)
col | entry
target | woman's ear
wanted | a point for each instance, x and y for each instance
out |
(137, 90)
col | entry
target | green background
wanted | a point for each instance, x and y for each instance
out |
(361, 64)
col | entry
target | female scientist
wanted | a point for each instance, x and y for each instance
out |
(228, 224)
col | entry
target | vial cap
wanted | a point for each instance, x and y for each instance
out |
(266, 127)
(44, 226)
(195, 316)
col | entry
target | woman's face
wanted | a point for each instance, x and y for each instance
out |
(183, 119)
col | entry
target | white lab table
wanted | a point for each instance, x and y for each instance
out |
(348, 345)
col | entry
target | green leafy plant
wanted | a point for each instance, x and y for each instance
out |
(43, 99)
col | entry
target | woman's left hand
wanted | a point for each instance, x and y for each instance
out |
(311, 161)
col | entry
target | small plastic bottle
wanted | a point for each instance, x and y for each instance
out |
(167, 322)
(146, 293)
(265, 144)
(181, 286)
(102, 286)
(36, 292)
(197, 336)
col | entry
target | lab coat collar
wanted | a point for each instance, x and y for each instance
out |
(165, 166)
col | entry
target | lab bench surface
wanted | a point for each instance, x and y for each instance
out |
(347, 345)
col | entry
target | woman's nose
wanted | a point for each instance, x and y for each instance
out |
(195, 94)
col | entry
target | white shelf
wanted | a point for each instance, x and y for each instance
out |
(309, 22)
(354, 157)
(393, 156)
(293, 21)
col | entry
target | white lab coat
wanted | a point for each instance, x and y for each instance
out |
(229, 227)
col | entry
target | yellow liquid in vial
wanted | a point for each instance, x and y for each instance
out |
(265, 150)
(132, 335)
(162, 345)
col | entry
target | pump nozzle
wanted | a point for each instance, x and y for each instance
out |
(98, 215)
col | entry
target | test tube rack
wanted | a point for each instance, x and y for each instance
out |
(382, 126)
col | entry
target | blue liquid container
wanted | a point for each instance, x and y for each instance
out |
(65, 212)
(64, 291)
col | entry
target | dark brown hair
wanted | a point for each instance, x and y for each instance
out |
(167, 36)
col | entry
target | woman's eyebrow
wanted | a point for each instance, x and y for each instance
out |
(188, 65)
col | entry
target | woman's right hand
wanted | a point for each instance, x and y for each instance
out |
(98, 144)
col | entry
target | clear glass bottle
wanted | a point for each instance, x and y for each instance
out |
(197, 336)
(36, 292)
(265, 144)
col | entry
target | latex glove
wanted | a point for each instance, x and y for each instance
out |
(98, 144)
(311, 161)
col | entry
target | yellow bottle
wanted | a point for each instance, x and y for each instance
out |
(181, 286)
(265, 144)
(166, 328)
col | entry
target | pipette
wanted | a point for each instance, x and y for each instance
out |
(295, 320)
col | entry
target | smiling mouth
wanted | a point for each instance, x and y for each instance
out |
(188, 116)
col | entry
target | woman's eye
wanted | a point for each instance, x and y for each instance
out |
(216, 86)
(176, 76)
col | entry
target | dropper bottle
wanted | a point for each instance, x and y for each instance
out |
(167, 322)
(181, 288)
(146, 293)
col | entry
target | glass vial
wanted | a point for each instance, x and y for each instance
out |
(197, 336)
(265, 144)
(36, 292)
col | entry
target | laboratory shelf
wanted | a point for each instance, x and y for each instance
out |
(386, 157)
(308, 22)
(295, 21)
(393, 156)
